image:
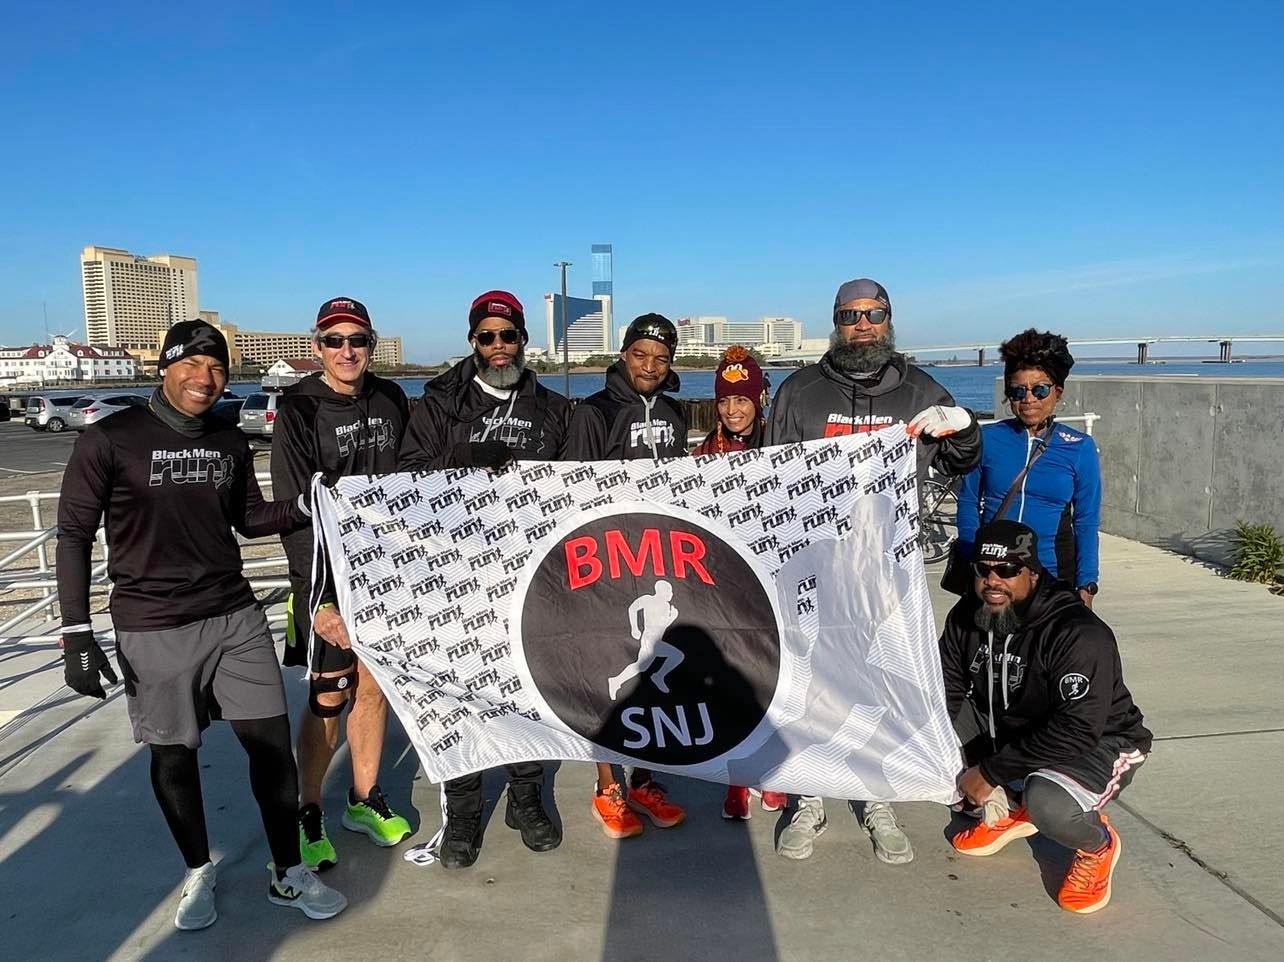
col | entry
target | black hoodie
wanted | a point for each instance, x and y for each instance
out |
(619, 424)
(1049, 692)
(820, 401)
(319, 430)
(455, 410)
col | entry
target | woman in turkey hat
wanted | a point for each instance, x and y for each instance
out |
(740, 388)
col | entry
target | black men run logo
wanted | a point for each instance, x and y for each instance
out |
(650, 634)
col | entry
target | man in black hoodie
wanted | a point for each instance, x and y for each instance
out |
(862, 384)
(342, 422)
(487, 411)
(1034, 681)
(172, 483)
(628, 419)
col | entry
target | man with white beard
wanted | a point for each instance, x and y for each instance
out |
(486, 412)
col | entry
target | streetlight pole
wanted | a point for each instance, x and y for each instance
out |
(566, 341)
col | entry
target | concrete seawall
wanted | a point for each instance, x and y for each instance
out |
(1183, 457)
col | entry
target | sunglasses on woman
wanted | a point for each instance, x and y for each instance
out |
(1017, 392)
(336, 341)
(1005, 569)
(875, 316)
(486, 338)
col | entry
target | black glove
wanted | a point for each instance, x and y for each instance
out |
(82, 661)
(483, 454)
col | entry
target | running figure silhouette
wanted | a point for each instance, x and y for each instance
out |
(657, 614)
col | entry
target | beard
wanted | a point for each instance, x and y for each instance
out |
(861, 358)
(501, 377)
(1001, 621)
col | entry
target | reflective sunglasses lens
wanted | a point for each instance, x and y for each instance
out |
(1016, 393)
(486, 338)
(876, 316)
(336, 341)
(1007, 569)
(1041, 391)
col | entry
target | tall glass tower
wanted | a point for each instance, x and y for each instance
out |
(602, 270)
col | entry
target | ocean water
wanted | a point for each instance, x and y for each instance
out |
(971, 386)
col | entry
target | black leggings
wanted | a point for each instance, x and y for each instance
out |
(1057, 815)
(176, 780)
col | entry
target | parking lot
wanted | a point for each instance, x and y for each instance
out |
(27, 451)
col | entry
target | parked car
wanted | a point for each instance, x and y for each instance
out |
(48, 412)
(228, 408)
(92, 409)
(259, 413)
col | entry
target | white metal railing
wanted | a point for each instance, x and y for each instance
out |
(42, 577)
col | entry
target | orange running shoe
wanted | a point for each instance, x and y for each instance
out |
(982, 839)
(774, 801)
(649, 800)
(736, 804)
(1087, 885)
(611, 811)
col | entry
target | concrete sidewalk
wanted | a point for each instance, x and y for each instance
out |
(88, 871)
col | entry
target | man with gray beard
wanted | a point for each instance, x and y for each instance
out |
(486, 412)
(862, 384)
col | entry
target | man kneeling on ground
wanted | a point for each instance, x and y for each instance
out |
(1050, 732)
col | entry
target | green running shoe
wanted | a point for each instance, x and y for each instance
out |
(373, 816)
(315, 849)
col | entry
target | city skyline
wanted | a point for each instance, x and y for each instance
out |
(991, 168)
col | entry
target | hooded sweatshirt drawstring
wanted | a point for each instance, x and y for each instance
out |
(989, 664)
(647, 404)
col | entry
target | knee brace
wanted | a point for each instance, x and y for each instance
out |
(321, 684)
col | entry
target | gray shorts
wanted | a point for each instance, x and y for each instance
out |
(177, 679)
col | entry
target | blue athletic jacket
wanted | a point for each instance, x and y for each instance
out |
(1060, 499)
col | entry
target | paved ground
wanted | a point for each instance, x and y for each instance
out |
(24, 450)
(88, 872)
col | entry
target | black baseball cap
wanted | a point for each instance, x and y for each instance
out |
(340, 309)
(654, 327)
(1002, 541)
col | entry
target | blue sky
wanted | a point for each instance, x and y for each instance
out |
(1102, 169)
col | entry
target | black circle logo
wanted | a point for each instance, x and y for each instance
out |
(650, 635)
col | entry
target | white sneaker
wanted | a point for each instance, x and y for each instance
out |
(891, 844)
(301, 889)
(196, 905)
(804, 828)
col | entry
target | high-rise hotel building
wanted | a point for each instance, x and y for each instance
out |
(588, 320)
(131, 300)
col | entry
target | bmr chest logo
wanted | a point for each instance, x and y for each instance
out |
(650, 635)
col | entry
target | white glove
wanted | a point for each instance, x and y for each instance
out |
(939, 422)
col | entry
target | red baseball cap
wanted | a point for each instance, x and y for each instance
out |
(339, 309)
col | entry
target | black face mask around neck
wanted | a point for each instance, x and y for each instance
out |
(184, 424)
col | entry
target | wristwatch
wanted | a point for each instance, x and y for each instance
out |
(1090, 587)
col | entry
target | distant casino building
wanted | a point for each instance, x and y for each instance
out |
(588, 319)
(264, 348)
(131, 300)
(770, 336)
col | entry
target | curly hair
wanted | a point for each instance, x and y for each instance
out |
(1047, 351)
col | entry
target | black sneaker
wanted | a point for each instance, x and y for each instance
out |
(525, 812)
(461, 843)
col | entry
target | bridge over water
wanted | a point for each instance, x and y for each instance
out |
(1223, 341)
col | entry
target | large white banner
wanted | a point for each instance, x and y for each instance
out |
(759, 618)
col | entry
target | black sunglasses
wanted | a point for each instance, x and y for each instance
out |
(486, 338)
(1005, 569)
(875, 315)
(1017, 392)
(336, 341)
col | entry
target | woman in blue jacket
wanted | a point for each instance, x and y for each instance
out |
(1060, 496)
